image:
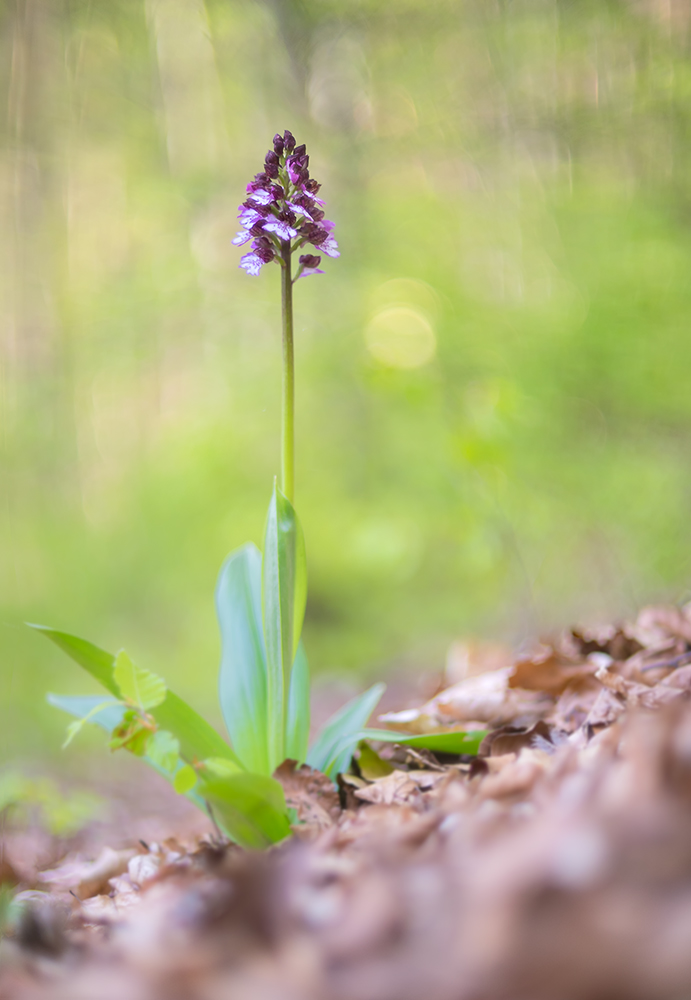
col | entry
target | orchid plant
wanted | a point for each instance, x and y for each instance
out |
(264, 684)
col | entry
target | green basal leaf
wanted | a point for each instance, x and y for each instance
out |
(138, 686)
(284, 593)
(250, 808)
(185, 779)
(220, 767)
(94, 660)
(298, 724)
(197, 738)
(455, 743)
(333, 748)
(164, 750)
(242, 675)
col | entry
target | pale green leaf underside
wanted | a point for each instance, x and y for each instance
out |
(242, 674)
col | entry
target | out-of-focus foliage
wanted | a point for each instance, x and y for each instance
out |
(24, 799)
(493, 415)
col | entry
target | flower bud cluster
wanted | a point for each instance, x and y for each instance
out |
(282, 212)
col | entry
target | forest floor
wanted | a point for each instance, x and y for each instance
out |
(554, 866)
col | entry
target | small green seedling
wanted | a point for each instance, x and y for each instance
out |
(264, 684)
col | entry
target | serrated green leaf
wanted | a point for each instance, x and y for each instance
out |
(298, 725)
(333, 748)
(242, 674)
(250, 808)
(132, 734)
(185, 779)
(164, 750)
(197, 738)
(284, 593)
(138, 686)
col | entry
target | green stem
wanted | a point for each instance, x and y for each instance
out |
(288, 404)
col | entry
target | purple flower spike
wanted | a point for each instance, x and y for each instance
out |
(282, 212)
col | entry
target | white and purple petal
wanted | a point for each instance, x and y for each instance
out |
(252, 263)
(261, 197)
(242, 237)
(305, 273)
(299, 210)
(248, 217)
(280, 228)
(330, 247)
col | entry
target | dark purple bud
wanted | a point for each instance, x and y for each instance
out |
(312, 186)
(288, 141)
(300, 150)
(257, 229)
(256, 207)
(264, 250)
(271, 157)
(277, 192)
(310, 260)
(278, 144)
(317, 214)
(272, 170)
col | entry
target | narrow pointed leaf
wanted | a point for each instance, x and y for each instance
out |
(298, 724)
(284, 593)
(197, 738)
(94, 660)
(138, 686)
(336, 741)
(250, 808)
(242, 675)
(456, 742)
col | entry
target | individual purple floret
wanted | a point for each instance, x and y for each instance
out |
(282, 212)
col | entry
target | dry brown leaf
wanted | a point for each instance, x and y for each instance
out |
(546, 671)
(88, 878)
(311, 794)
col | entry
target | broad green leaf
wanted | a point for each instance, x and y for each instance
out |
(185, 779)
(197, 738)
(164, 750)
(284, 593)
(250, 808)
(336, 741)
(138, 686)
(242, 675)
(298, 724)
(221, 767)
(456, 742)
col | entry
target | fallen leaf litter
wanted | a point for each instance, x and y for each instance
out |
(555, 865)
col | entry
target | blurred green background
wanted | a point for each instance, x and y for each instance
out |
(493, 413)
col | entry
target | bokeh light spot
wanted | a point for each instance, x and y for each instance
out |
(401, 337)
